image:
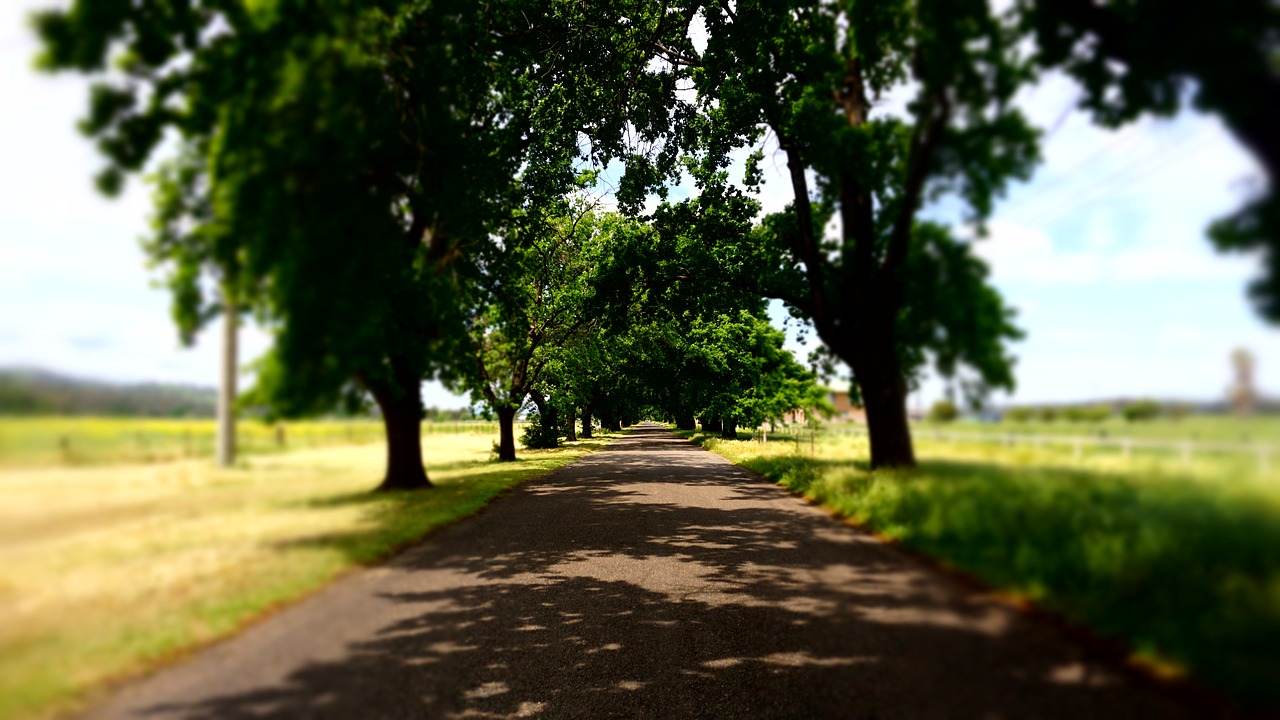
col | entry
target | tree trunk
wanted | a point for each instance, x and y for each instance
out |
(615, 425)
(571, 434)
(730, 430)
(547, 414)
(711, 424)
(686, 422)
(402, 418)
(607, 420)
(586, 423)
(885, 395)
(506, 434)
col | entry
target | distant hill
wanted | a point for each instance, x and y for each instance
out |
(39, 392)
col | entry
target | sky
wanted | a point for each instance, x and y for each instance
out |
(1102, 252)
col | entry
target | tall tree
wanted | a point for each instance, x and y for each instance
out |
(349, 160)
(809, 74)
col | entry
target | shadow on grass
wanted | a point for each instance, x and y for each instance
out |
(1178, 569)
(399, 518)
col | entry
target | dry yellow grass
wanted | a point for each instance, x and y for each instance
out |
(109, 570)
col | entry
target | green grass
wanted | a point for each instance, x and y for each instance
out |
(1184, 568)
(47, 441)
(110, 571)
(1204, 428)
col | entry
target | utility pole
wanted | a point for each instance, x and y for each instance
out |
(226, 454)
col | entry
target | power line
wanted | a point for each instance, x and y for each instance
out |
(1157, 159)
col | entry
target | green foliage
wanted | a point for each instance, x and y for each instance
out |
(538, 435)
(1086, 413)
(943, 411)
(344, 169)
(891, 291)
(1140, 410)
(1019, 414)
(1047, 414)
(529, 309)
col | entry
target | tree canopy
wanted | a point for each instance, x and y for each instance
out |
(395, 187)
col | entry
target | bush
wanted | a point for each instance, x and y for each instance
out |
(943, 411)
(1087, 413)
(1141, 410)
(537, 437)
(1048, 414)
(1018, 414)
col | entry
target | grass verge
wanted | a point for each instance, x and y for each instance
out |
(78, 441)
(1183, 570)
(112, 571)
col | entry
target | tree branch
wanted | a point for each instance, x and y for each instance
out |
(923, 148)
(805, 245)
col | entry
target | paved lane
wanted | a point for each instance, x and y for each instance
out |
(650, 580)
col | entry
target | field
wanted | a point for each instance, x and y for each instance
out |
(1180, 562)
(46, 441)
(111, 570)
(1199, 428)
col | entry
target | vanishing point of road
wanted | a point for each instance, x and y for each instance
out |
(652, 579)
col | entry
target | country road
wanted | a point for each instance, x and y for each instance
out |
(649, 580)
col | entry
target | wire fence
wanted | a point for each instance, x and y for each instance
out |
(1185, 451)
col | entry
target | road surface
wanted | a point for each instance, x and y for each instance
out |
(649, 580)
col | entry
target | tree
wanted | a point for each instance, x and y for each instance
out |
(1139, 56)
(347, 161)
(697, 342)
(943, 411)
(1140, 410)
(532, 295)
(808, 73)
(1019, 414)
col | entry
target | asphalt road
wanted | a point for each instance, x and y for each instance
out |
(650, 580)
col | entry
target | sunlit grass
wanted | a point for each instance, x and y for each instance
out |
(1180, 562)
(108, 571)
(1202, 428)
(45, 441)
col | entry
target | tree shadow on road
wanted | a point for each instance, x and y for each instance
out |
(603, 592)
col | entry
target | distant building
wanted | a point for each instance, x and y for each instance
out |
(845, 410)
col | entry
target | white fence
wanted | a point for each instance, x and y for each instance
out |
(1184, 449)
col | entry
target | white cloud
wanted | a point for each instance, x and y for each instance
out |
(1018, 253)
(1143, 264)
